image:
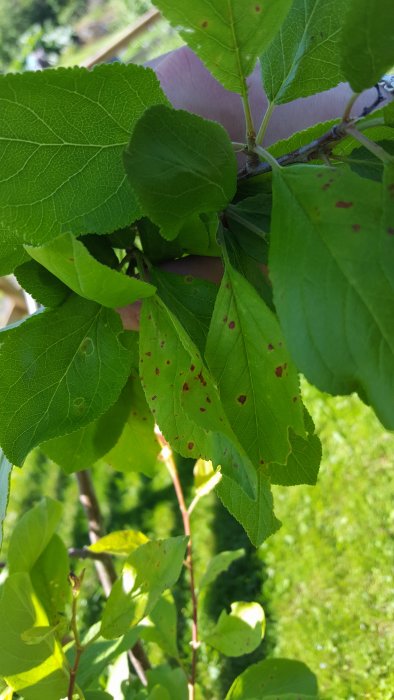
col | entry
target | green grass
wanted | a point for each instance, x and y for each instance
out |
(325, 579)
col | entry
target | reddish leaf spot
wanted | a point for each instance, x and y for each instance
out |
(201, 378)
(208, 400)
(295, 399)
(270, 347)
(258, 8)
(231, 325)
(157, 371)
(227, 285)
(390, 231)
(279, 371)
(149, 317)
(192, 368)
(204, 24)
(149, 354)
(343, 205)
(190, 445)
(262, 461)
(225, 319)
(202, 409)
(162, 344)
(185, 387)
(168, 362)
(241, 399)
(154, 398)
(356, 228)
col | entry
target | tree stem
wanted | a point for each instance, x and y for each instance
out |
(169, 462)
(105, 569)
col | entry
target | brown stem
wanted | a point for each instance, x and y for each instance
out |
(104, 566)
(169, 461)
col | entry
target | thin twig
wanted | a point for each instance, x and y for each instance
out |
(264, 124)
(76, 582)
(168, 459)
(104, 567)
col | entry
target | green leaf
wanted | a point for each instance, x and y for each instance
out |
(148, 571)
(11, 254)
(35, 671)
(367, 42)
(97, 695)
(257, 516)
(80, 120)
(257, 381)
(98, 655)
(173, 680)
(121, 543)
(44, 287)
(191, 299)
(49, 576)
(84, 447)
(179, 165)
(161, 625)
(274, 677)
(198, 235)
(303, 462)
(388, 114)
(59, 370)
(239, 632)
(137, 448)
(227, 36)
(5, 477)
(219, 563)
(32, 534)
(249, 222)
(183, 397)
(326, 262)
(70, 261)
(304, 58)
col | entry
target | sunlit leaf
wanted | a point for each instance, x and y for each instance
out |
(119, 542)
(274, 678)
(239, 632)
(32, 534)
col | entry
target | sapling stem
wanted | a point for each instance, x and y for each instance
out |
(349, 106)
(76, 582)
(371, 146)
(168, 459)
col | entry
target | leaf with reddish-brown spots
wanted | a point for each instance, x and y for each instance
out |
(253, 370)
(332, 270)
(178, 393)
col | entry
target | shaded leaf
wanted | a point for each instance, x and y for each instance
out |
(87, 190)
(70, 261)
(59, 370)
(334, 303)
(218, 564)
(304, 58)
(227, 36)
(239, 632)
(161, 625)
(44, 287)
(367, 42)
(303, 462)
(179, 165)
(148, 571)
(173, 680)
(11, 254)
(274, 678)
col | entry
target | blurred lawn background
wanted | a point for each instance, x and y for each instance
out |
(326, 578)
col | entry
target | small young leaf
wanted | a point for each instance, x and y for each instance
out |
(183, 397)
(239, 632)
(121, 543)
(326, 262)
(218, 564)
(192, 300)
(179, 165)
(5, 476)
(304, 58)
(70, 261)
(59, 370)
(367, 41)
(227, 36)
(274, 678)
(36, 670)
(80, 120)
(257, 381)
(32, 534)
(44, 287)
(148, 571)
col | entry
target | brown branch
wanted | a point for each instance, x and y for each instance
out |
(104, 565)
(168, 459)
